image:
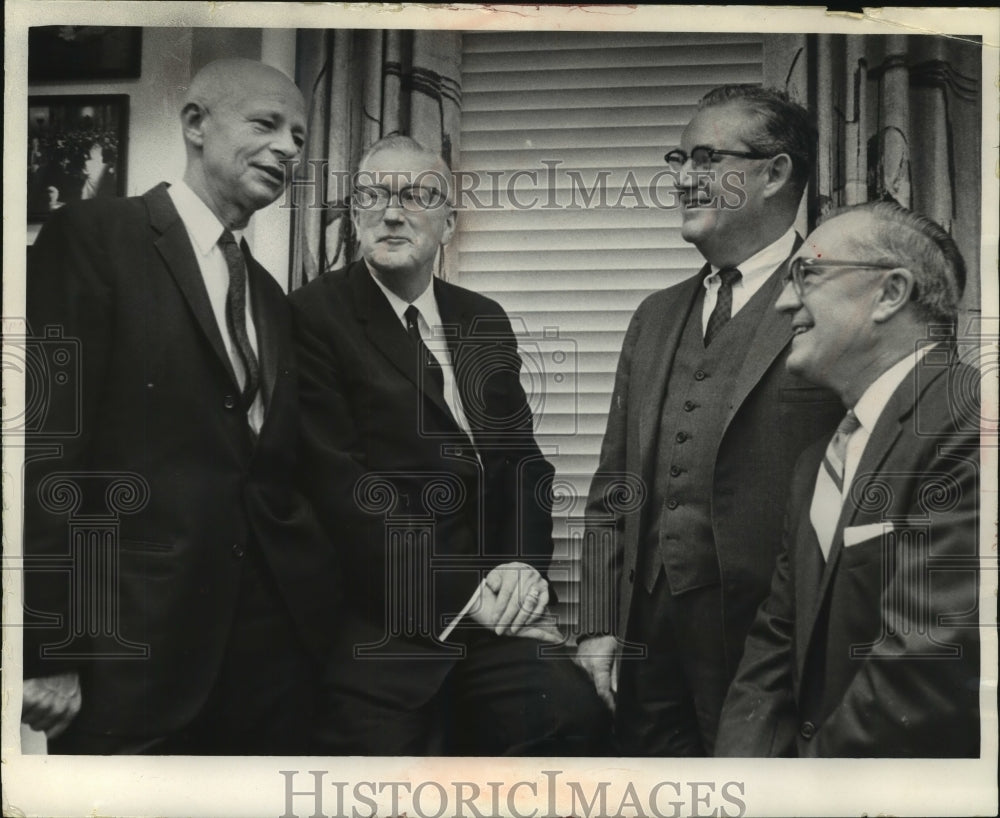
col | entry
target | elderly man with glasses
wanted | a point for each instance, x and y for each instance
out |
(421, 462)
(705, 426)
(868, 643)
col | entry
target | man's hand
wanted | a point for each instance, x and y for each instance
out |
(514, 596)
(596, 656)
(51, 702)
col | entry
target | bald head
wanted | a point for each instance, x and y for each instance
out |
(232, 78)
(242, 121)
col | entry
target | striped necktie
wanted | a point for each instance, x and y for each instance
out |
(828, 498)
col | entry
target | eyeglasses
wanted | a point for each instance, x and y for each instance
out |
(702, 156)
(414, 198)
(801, 270)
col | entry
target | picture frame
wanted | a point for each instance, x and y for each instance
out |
(77, 149)
(69, 53)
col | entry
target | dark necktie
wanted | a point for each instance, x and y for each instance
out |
(723, 311)
(236, 316)
(429, 364)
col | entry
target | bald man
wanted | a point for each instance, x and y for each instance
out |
(191, 589)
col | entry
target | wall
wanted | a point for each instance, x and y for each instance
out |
(170, 57)
(155, 148)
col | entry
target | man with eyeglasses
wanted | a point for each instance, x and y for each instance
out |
(706, 424)
(422, 464)
(868, 643)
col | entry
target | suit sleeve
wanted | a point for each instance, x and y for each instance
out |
(916, 690)
(758, 717)
(601, 562)
(514, 459)
(70, 310)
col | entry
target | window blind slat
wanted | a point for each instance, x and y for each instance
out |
(592, 102)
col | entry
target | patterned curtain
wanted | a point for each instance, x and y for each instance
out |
(361, 86)
(899, 119)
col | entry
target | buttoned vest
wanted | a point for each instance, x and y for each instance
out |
(679, 534)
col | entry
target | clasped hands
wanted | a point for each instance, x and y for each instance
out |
(512, 601)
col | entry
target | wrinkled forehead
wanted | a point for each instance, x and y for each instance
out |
(397, 168)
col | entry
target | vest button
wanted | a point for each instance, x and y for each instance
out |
(681, 437)
(675, 471)
(700, 375)
(229, 402)
(672, 504)
(807, 730)
(238, 551)
(688, 406)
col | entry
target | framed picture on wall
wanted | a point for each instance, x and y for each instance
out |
(77, 146)
(62, 53)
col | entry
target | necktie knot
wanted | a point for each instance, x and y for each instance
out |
(849, 425)
(723, 310)
(227, 238)
(411, 315)
(729, 276)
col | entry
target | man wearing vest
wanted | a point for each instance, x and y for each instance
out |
(868, 644)
(705, 426)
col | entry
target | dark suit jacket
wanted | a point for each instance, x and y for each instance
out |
(772, 417)
(381, 454)
(155, 399)
(876, 652)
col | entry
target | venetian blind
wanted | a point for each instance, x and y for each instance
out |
(571, 252)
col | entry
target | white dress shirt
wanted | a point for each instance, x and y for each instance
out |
(868, 410)
(204, 229)
(755, 271)
(871, 405)
(430, 326)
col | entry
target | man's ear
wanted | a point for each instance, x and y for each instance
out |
(779, 173)
(449, 226)
(897, 290)
(193, 123)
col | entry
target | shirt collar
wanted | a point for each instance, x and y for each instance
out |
(203, 226)
(762, 263)
(425, 302)
(876, 397)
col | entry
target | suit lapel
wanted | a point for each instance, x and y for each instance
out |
(174, 247)
(771, 336)
(880, 444)
(385, 331)
(652, 360)
(809, 565)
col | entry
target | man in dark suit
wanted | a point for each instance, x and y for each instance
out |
(422, 464)
(190, 580)
(705, 425)
(868, 644)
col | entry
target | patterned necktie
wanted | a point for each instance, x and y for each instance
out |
(236, 317)
(828, 497)
(723, 311)
(836, 452)
(430, 365)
